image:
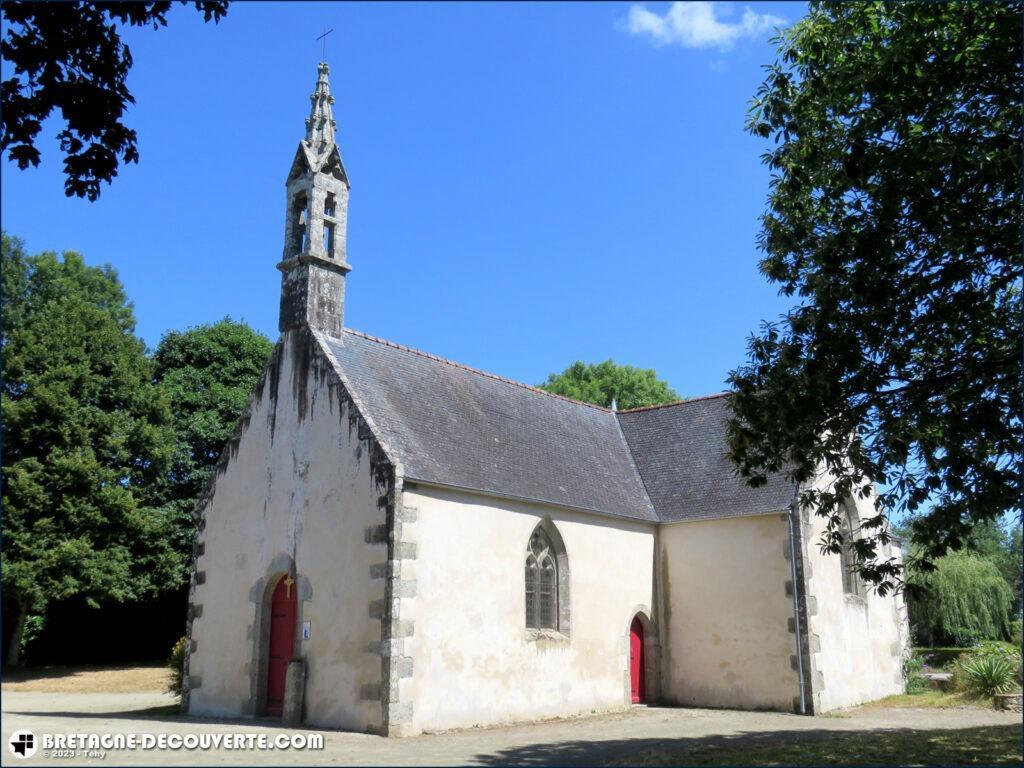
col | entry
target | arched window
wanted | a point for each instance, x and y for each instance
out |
(852, 584)
(297, 230)
(547, 580)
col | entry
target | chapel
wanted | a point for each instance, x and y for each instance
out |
(396, 543)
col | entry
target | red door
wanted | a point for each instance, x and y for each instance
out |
(282, 641)
(636, 660)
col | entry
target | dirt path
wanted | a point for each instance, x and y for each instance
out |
(572, 742)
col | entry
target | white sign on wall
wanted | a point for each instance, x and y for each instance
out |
(305, 630)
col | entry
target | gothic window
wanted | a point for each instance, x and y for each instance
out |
(546, 581)
(852, 584)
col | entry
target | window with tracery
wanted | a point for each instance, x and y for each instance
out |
(541, 582)
(852, 584)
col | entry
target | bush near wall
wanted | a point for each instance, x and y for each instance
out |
(176, 663)
(938, 658)
(987, 669)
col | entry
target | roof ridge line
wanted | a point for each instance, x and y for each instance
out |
(454, 364)
(675, 402)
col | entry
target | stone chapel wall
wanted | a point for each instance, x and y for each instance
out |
(473, 663)
(300, 489)
(857, 641)
(728, 613)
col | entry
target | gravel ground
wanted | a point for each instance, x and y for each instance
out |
(579, 741)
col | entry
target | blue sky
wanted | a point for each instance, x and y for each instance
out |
(531, 183)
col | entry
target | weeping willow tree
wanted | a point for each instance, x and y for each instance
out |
(963, 600)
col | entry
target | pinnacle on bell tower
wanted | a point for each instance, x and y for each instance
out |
(313, 266)
(320, 125)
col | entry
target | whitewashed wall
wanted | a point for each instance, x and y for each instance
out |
(298, 486)
(861, 638)
(726, 615)
(473, 662)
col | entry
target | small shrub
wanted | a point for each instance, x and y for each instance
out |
(176, 663)
(1016, 631)
(914, 665)
(988, 675)
(986, 667)
(940, 658)
(1004, 651)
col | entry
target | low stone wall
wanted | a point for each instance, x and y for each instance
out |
(1008, 702)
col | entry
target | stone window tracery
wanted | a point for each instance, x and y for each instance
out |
(541, 582)
(852, 584)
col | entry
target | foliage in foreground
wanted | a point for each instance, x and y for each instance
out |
(70, 57)
(894, 221)
(602, 383)
(86, 433)
(964, 600)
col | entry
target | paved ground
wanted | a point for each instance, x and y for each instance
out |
(567, 742)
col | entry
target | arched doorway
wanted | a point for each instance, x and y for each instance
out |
(637, 681)
(281, 647)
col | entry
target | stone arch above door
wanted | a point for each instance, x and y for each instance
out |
(259, 631)
(652, 655)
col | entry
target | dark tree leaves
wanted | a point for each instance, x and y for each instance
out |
(69, 56)
(207, 374)
(894, 221)
(86, 434)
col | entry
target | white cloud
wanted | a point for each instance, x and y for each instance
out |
(697, 25)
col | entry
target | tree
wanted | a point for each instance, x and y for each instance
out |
(962, 601)
(86, 432)
(894, 220)
(1002, 548)
(69, 56)
(602, 383)
(207, 374)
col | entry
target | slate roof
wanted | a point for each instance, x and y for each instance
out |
(455, 426)
(680, 450)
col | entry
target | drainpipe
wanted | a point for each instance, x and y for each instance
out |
(796, 605)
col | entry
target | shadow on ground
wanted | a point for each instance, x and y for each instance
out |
(986, 745)
(166, 713)
(28, 674)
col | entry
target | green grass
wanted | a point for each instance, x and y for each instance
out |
(988, 745)
(931, 699)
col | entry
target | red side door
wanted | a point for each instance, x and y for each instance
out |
(282, 641)
(636, 660)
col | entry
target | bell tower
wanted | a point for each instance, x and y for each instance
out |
(313, 265)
